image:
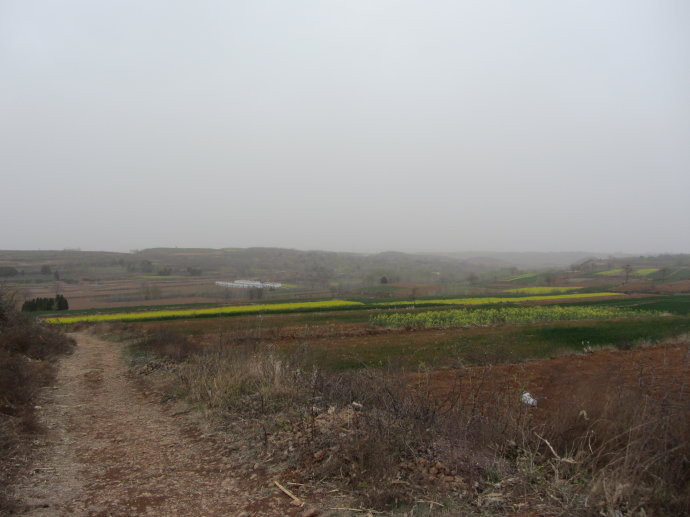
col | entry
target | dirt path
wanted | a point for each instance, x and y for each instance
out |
(110, 449)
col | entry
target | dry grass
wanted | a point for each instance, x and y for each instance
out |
(613, 447)
(28, 350)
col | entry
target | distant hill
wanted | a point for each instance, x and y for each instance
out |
(309, 267)
(522, 260)
(276, 264)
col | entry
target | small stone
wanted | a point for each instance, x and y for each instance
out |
(311, 512)
(243, 514)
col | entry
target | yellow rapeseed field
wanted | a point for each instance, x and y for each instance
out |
(194, 313)
(488, 300)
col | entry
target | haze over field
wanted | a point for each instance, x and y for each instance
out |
(346, 125)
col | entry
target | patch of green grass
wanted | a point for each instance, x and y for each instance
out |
(675, 275)
(543, 290)
(610, 272)
(675, 304)
(621, 334)
(646, 271)
(525, 276)
(440, 349)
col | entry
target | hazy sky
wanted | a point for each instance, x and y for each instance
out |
(346, 124)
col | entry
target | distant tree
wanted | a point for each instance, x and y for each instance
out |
(628, 270)
(146, 266)
(384, 280)
(59, 303)
(166, 271)
(45, 270)
(193, 271)
(8, 271)
(319, 275)
(472, 279)
(56, 275)
(664, 273)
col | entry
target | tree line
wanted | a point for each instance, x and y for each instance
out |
(59, 303)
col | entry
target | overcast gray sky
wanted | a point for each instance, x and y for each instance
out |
(346, 124)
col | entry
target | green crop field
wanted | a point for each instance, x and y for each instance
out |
(610, 272)
(542, 290)
(674, 304)
(502, 315)
(525, 276)
(324, 305)
(646, 271)
(442, 348)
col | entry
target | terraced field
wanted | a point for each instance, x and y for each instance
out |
(326, 305)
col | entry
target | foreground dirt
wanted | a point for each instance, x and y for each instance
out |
(112, 449)
(661, 371)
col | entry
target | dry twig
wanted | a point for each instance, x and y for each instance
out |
(296, 500)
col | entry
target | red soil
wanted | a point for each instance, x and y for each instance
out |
(660, 371)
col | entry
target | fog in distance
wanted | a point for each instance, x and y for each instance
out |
(358, 125)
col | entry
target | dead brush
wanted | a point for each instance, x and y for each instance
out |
(248, 377)
(617, 445)
(165, 344)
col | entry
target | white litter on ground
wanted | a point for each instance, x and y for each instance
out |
(528, 399)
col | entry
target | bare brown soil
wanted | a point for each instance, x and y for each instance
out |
(110, 448)
(682, 286)
(126, 292)
(663, 371)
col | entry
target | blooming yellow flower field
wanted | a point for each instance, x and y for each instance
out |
(488, 300)
(196, 313)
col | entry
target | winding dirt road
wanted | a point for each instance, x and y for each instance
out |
(111, 449)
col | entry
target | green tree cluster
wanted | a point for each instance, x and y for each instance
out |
(59, 303)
